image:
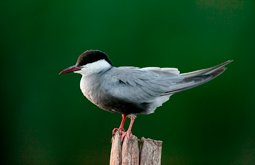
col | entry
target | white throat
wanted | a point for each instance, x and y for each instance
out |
(94, 67)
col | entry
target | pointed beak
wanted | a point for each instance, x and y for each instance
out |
(70, 69)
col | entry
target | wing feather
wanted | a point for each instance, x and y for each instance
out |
(152, 85)
(138, 84)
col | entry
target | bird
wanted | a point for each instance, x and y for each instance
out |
(132, 90)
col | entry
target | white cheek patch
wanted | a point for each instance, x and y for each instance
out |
(94, 67)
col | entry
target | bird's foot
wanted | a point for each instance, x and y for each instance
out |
(121, 131)
(127, 134)
(117, 129)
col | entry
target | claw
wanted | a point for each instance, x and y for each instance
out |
(127, 134)
(117, 129)
(114, 131)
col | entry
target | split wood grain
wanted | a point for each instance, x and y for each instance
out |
(128, 153)
(115, 158)
(150, 152)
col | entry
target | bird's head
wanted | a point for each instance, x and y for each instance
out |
(90, 61)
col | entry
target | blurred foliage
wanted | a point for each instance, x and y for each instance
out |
(45, 119)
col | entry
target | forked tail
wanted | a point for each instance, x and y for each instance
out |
(196, 78)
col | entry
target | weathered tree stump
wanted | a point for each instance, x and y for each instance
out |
(127, 153)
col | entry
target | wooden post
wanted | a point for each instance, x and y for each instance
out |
(116, 150)
(127, 153)
(150, 152)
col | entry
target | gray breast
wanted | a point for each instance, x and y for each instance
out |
(93, 88)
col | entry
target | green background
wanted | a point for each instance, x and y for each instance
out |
(45, 119)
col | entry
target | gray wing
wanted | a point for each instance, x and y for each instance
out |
(145, 84)
(140, 85)
(152, 86)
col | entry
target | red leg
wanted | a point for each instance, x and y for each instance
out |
(129, 129)
(121, 125)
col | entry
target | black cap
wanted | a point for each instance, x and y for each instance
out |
(91, 56)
